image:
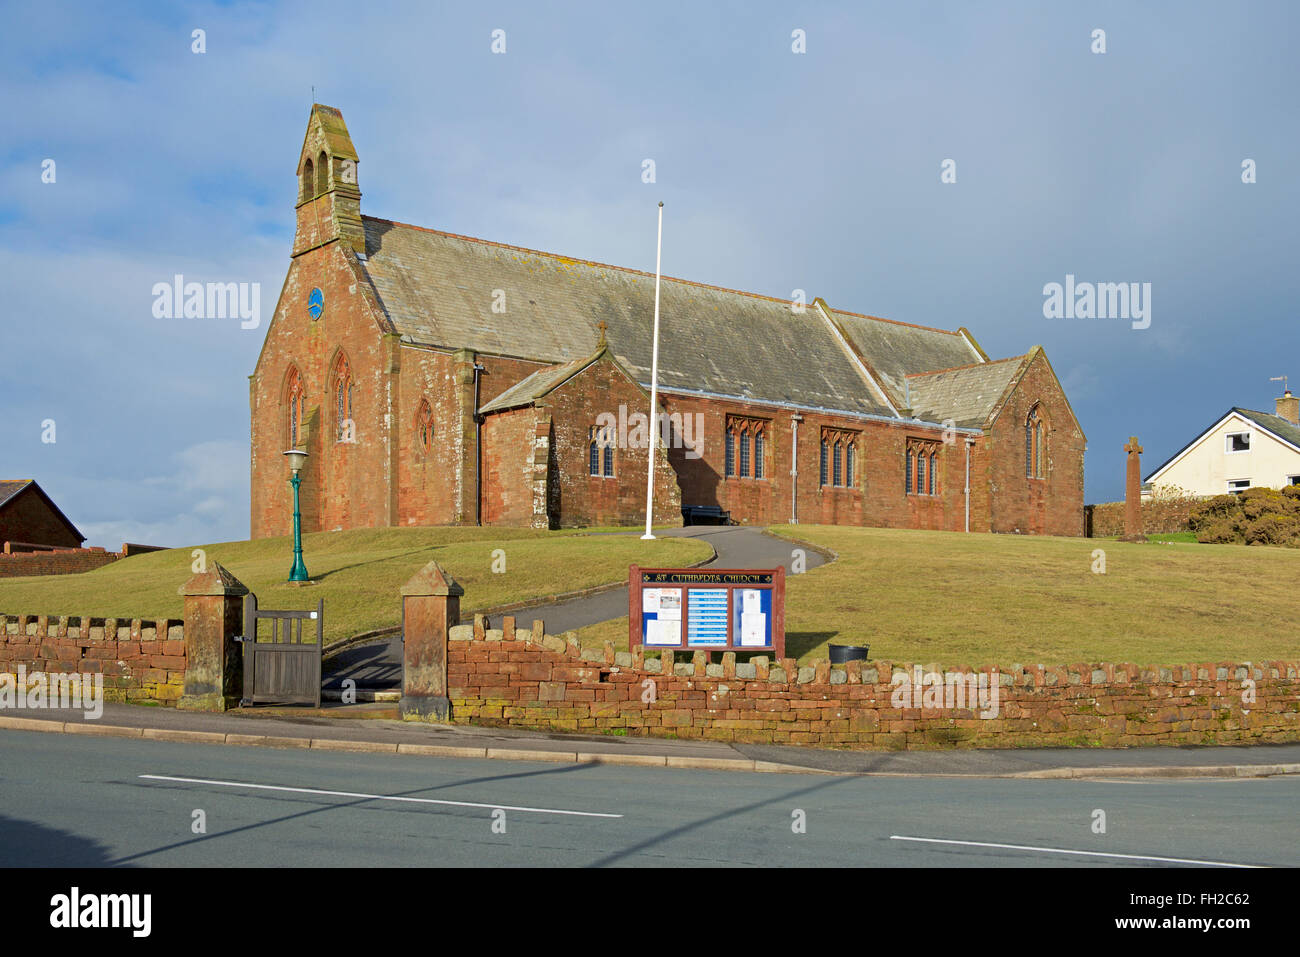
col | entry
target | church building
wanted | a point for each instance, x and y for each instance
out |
(438, 379)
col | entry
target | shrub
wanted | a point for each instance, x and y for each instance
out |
(1257, 516)
(1219, 532)
(1273, 529)
(1257, 502)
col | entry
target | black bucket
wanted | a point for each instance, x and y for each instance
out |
(842, 653)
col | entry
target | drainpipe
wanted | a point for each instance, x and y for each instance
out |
(969, 443)
(478, 450)
(794, 468)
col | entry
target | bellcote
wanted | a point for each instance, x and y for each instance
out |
(329, 197)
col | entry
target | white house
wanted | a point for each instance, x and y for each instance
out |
(1242, 449)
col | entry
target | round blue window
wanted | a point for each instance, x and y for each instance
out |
(316, 303)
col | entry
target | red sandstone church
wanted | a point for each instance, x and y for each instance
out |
(438, 379)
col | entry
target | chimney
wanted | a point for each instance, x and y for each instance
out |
(1288, 407)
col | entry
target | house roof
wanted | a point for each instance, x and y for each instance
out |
(439, 289)
(11, 488)
(967, 394)
(1278, 426)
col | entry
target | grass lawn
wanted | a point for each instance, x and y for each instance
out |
(359, 572)
(959, 599)
(975, 599)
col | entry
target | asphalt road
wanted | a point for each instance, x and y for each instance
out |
(67, 800)
(379, 665)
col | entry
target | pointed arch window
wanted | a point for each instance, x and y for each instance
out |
(731, 451)
(1035, 445)
(424, 428)
(322, 173)
(308, 179)
(345, 425)
(296, 396)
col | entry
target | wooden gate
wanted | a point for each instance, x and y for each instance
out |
(281, 668)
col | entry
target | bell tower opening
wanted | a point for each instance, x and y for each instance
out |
(329, 202)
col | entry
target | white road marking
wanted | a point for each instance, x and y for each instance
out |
(374, 797)
(1062, 850)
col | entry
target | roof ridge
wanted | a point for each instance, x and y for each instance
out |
(584, 262)
(969, 365)
(897, 322)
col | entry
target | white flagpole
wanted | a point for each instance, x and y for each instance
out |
(654, 389)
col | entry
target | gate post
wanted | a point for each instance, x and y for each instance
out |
(213, 669)
(430, 606)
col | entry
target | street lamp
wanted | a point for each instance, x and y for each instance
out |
(297, 459)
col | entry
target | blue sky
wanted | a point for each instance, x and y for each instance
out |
(779, 171)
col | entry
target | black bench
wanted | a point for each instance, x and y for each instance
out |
(705, 515)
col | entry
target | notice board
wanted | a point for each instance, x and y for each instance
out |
(719, 609)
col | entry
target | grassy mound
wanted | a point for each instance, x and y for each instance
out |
(359, 572)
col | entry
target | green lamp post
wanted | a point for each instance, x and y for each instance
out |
(297, 459)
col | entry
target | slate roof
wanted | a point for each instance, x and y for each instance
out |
(968, 395)
(11, 487)
(438, 289)
(1274, 423)
(532, 387)
(897, 349)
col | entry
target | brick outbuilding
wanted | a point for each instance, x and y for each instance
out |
(29, 517)
(440, 379)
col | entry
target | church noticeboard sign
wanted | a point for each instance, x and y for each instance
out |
(719, 609)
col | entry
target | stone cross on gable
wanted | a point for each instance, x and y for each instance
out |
(602, 327)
